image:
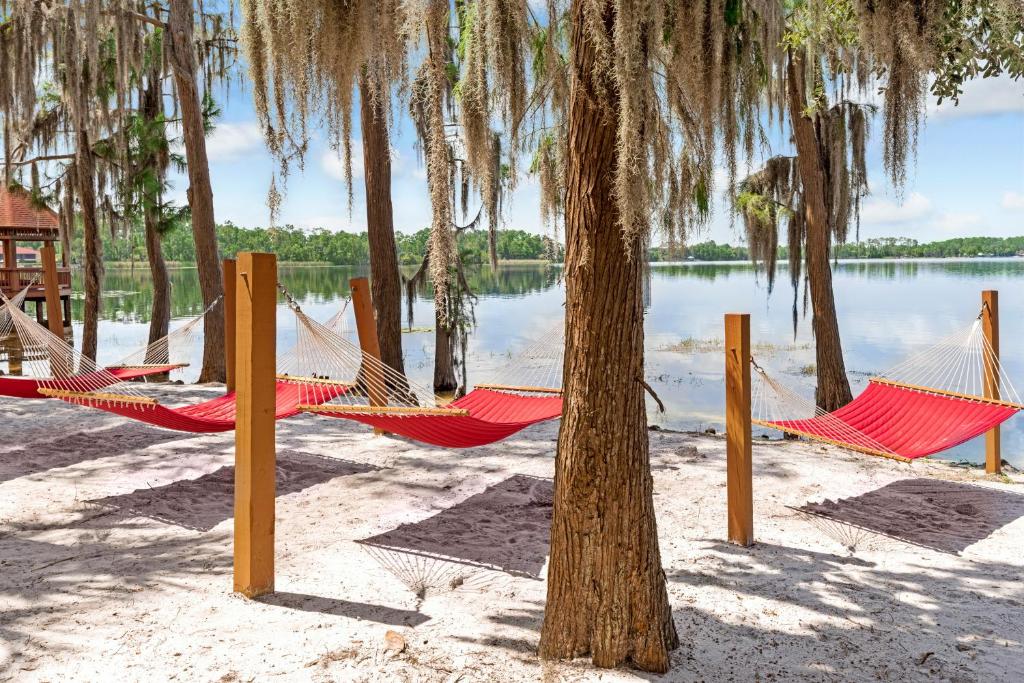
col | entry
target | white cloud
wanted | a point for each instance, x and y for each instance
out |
(983, 96)
(1013, 200)
(744, 168)
(332, 163)
(957, 224)
(885, 211)
(918, 216)
(229, 141)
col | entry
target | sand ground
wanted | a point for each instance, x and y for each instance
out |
(115, 560)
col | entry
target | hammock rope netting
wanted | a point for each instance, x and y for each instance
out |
(322, 373)
(35, 361)
(390, 401)
(950, 393)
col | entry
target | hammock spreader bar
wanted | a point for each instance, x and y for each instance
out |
(28, 387)
(901, 421)
(215, 415)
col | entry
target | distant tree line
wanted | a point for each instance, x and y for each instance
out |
(703, 251)
(901, 247)
(880, 247)
(511, 245)
(324, 246)
(346, 248)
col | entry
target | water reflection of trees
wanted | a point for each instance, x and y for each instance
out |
(510, 281)
(966, 268)
(871, 270)
(128, 295)
(700, 271)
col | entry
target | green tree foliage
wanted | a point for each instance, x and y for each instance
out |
(901, 247)
(704, 251)
(323, 246)
(344, 248)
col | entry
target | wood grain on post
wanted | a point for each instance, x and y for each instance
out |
(229, 324)
(54, 316)
(990, 329)
(371, 374)
(255, 456)
(739, 471)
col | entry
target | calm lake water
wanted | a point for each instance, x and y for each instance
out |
(887, 311)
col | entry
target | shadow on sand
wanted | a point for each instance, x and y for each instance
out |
(381, 614)
(81, 446)
(505, 528)
(203, 503)
(947, 516)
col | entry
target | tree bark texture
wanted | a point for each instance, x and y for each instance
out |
(385, 280)
(606, 587)
(85, 172)
(160, 313)
(833, 390)
(200, 192)
(444, 364)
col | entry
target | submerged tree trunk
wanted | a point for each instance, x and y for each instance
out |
(85, 173)
(445, 379)
(606, 587)
(385, 281)
(160, 314)
(200, 191)
(833, 390)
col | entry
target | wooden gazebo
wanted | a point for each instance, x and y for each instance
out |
(21, 220)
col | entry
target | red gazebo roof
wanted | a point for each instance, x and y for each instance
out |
(21, 219)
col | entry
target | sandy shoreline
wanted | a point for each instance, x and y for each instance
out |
(115, 560)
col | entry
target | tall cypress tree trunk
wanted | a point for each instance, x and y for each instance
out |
(200, 191)
(833, 390)
(606, 587)
(160, 314)
(85, 171)
(385, 283)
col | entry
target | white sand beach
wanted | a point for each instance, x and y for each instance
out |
(115, 560)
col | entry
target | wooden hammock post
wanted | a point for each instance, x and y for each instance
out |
(990, 328)
(372, 374)
(255, 455)
(54, 317)
(54, 314)
(739, 470)
(229, 323)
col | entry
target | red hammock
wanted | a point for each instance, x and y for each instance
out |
(215, 415)
(28, 387)
(492, 416)
(902, 422)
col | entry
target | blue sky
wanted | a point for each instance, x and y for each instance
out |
(968, 179)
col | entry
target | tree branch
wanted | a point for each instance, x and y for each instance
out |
(48, 157)
(139, 16)
(645, 385)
